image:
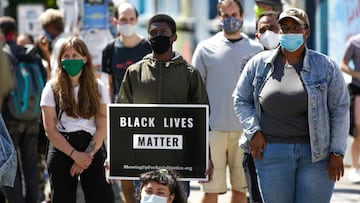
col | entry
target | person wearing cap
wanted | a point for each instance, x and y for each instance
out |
(293, 104)
(267, 35)
(352, 53)
(267, 5)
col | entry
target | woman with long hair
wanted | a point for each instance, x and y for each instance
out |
(74, 117)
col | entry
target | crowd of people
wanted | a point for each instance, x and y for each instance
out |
(279, 111)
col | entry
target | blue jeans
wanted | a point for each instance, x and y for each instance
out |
(287, 174)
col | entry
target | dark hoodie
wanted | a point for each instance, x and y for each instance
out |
(173, 82)
(26, 53)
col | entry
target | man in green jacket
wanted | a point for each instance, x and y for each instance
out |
(163, 77)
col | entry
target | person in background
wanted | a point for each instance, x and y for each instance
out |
(294, 106)
(8, 160)
(52, 21)
(163, 77)
(352, 53)
(220, 60)
(267, 5)
(24, 39)
(267, 30)
(267, 35)
(128, 48)
(27, 40)
(161, 186)
(24, 131)
(74, 116)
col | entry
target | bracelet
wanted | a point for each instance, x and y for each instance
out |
(336, 154)
(72, 151)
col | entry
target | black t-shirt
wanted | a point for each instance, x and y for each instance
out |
(117, 58)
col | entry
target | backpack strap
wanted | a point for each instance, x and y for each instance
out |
(108, 55)
(12, 59)
(56, 99)
(7, 50)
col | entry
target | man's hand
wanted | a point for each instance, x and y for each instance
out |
(43, 45)
(335, 167)
(107, 172)
(209, 172)
(257, 145)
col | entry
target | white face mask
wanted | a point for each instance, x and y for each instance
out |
(152, 199)
(126, 29)
(269, 39)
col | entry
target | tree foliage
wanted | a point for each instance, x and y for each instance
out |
(12, 10)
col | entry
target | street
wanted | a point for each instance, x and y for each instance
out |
(345, 192)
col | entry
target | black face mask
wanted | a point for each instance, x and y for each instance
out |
(160, 44)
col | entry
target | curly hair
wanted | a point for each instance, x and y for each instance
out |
(88, 104)
(163, 18)
(168, 178)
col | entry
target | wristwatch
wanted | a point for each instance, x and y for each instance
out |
(336, 154)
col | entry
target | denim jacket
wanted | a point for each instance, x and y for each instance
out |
(8, 159)
(328, 100)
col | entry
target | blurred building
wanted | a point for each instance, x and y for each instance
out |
(3, 5)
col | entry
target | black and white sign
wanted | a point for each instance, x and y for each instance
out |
(145, 137)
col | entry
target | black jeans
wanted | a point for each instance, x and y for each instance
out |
(251, 179)
(92, 180)
(25, 138)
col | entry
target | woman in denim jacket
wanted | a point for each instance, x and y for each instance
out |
(8, 159)
(293, 104)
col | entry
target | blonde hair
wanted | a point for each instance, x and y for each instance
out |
(52, 17)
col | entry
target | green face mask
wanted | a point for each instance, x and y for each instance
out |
(72, 66)
(258, 11)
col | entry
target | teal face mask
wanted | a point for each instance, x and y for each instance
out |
(72, 66)
(291, 42)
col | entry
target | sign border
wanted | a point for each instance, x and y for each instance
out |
(159, 106)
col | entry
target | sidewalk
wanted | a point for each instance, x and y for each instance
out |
(345, 192)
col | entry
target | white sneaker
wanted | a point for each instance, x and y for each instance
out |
(354, 175)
